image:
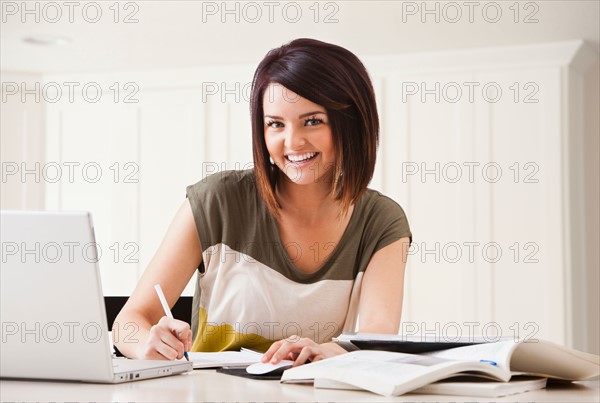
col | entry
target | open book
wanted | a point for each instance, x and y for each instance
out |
(392, 374)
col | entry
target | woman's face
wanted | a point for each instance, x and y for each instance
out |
(298, 136)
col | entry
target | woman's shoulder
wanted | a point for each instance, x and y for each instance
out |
(380, 214)
(223, 183)
(375, 202)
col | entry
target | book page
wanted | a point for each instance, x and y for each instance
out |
(497, 354)
(541, 358)
(389, 373)
(548, 359)
(223, 359)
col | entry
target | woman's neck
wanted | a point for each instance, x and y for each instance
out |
(309, 203)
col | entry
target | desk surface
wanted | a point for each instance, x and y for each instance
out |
(208, 385)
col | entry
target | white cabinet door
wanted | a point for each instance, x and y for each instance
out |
(474, 158)
(426, 143)
(522, 134)
(92, 164)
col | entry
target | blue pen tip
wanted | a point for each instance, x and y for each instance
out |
(187, 357)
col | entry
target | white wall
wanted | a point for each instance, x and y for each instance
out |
(591, 168)
(22, 144)
(180, 129)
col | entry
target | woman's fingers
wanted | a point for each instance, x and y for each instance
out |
(306, 354)
(289, 348)
(181, 330)
(268, 355)
(168, 339)
(300, 350)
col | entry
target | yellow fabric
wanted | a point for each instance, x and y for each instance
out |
(212, 338)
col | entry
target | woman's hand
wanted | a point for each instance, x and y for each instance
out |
(168, 340)
(300, 349)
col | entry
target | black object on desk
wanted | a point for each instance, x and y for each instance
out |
(408, 347)
(182, 310)
(238, 371)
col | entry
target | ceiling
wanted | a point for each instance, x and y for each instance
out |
(184, 34)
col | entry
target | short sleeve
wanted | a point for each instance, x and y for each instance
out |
(389, 222)
(220, 205)
(204, 201)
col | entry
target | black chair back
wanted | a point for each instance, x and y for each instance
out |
(182, 309)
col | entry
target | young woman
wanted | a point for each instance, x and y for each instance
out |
(296, 250)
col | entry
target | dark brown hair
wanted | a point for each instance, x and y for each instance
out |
(333, 77)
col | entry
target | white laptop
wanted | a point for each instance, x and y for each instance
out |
(52, 307)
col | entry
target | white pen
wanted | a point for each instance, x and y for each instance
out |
(165, 306)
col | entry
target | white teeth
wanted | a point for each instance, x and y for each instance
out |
(301, 157)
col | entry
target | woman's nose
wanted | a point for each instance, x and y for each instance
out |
(294, 139)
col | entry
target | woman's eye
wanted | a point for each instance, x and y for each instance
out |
(313, 122)
(274, 124)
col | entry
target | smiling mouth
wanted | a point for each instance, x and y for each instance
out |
(301, 157)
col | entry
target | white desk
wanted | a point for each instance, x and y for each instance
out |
(208, 385)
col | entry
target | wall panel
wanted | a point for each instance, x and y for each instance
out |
(93, 166)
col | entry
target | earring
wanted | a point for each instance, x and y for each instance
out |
(271, 160)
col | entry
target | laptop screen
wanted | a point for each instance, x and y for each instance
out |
(52, 307)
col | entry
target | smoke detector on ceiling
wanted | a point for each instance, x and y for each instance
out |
(47, 40)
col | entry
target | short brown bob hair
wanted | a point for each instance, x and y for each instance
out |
(334, 78)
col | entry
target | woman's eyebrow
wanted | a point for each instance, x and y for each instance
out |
(299, 117)
(310, 113)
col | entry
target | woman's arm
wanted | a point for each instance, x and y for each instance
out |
(382, 289)
(174, 263)
(379, 309)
